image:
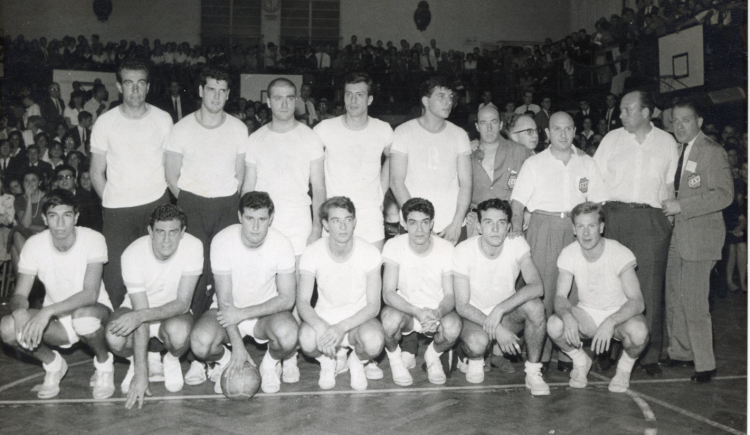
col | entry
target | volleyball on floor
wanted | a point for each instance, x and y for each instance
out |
(242, 384)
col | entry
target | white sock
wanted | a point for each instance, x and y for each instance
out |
(626, 362)
(577, 355)
(170, 356)
(530, 367)
(55, 364)
(268, 360)
(225, 357)
(395, 354)
(431, 349)
(292, 356)
(107, 365)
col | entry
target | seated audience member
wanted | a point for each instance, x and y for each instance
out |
(69, 262)
(610, 302)
(29, 218)
(160, 271)
(89, 206)
(75, 106)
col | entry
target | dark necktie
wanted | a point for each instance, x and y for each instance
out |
(678, 174)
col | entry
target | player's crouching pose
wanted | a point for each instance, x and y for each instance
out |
(253, 267)
(609, 299)
(160, 271)
(69, 262)
(418, 292)
(347, 270)
(485, 269)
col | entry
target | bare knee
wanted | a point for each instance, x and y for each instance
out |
(476, 344)
(201, 342)
(535, 312)
(451, 327)
(391, 319)
(307, 339)
(555, 327)
(177, 331)
(115, 342)
(637, 333)
(8, 330)
(287, 332)
(372, 339)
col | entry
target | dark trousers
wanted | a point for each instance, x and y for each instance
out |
(122, 226)
(206, 217)
(646, 232)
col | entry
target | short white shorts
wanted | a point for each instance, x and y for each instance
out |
(67, 324)
(415, 326)
(246, 327)
(598, 315)
(296, 225)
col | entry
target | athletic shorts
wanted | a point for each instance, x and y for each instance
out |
(67, 324)
(246, 327)
(598, 315)
(296, 225)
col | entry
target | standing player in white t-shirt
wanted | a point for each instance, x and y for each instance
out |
(68, 260)
(431, 159)
(253, 267)
(160, 271)
(418, 292)
(285, 159)
(610, 302)
(354, 146)
(127, 168)
(485, 270)
(347, 271)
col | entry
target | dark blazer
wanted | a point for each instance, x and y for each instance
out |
(614, 122)
(50, 115)
(168, 106)
(705, 190)
(77, 136)
(20, 163)
(89, 209)
(579, 116)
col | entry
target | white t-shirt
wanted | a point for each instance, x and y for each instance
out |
(92, 106)
(599, 285)
(491, 281)
(134, 149)
(253, 271)
(282, 162)
(72, 114)
(342, 286)
(432, 171)
(63, 273)
(143, 272)
(208, 155)
(352, 160)
(420, 276)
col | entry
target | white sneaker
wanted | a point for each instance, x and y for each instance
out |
(435, 373)
(400, 373)
(357, 372)
(534, 380)
(173, 380)
(104, 387)
(327, 372)
(214, 374)
(269, 376)
(55, 371)
(475, 371)
(155, 367)
(579, 374)
(125, 385)
(410, 360)
(290, 371)
(341, 356)
(196, 374)
(620, 383)
(463, 365)
(372, 371)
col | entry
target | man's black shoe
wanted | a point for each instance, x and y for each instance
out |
(564, 366)
(545, 367)
(653, 370)
(702, 377)
(669, 362)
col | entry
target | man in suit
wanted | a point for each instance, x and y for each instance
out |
(21, 163)
(612, 113)
(52, 108)
(542, 118)
(82, 132)
(585, 112)
(177, 104)
(89, 205)
(703, 188)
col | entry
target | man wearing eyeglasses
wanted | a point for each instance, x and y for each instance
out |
(550, 184)
(89, 206)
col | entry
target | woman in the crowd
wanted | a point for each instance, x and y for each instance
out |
(75, 160)
(29, 216)
(75, 106)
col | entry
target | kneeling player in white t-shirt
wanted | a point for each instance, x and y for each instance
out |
(253, 267)
(68, 260)
(610, 302)
(418, 292)
(160, 271)
(485, 269)
(347, 270)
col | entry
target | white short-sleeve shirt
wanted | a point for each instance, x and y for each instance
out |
(491, 281)
(432, 169)
(253, 271)
(598, 282)
(143, 272)
(208, 155)
(546, 183)
(420, 276)
(134, 149)
(352, 160)
(63, 273)
(342, 286)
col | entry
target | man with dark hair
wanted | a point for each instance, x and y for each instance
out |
(82, 132)
(177, 103)
(612, 113)
(96, 105)
(354, 145)
(638, 163)
(609, 299)
(485, 269)
(418, 292)
(585, 112)
(431, 159)
(528, 98)
(253, 267)
(160, 271)
(304, 107)
(69, 262)
(347, 272)
(703, 188)
(89, 208)
(542, 118)
(127, 167)
(52, 107)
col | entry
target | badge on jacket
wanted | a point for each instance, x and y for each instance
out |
(583, 185)
(694, 181)
(512, 179)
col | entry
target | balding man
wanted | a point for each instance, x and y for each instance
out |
(495, 163)
(550, 184)
(639, 162)
(52, 108)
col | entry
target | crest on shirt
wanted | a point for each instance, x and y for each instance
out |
(583, 185)
(694, 181)
(512, 179)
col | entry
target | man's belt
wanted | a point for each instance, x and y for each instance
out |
(560, 214)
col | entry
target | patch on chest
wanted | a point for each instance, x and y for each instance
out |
(583, 185)
(512, 179)
(694, 181)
